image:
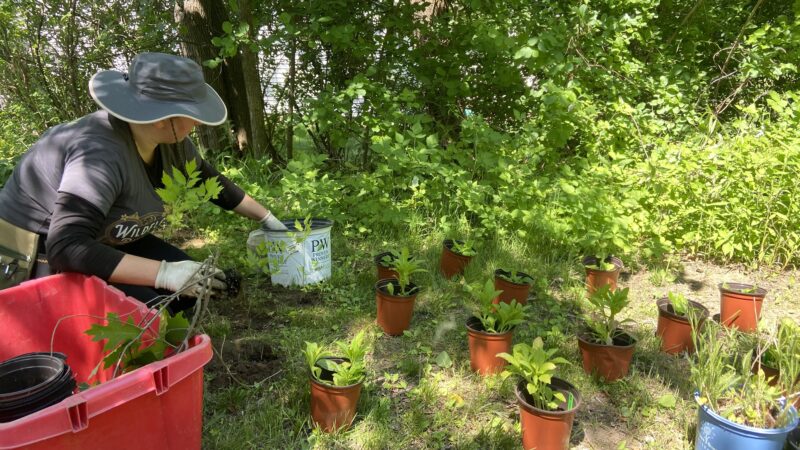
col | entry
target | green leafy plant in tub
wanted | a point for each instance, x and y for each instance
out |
(405, 265)
(679, 302)
(130, 345)
(724, 379)
(536, 365)
(606, 305)
(465, 247)
(513, 276)
(500, 317)
(348, 371)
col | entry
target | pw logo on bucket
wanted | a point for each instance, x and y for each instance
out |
(300, 257)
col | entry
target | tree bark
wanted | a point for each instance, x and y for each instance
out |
(291, 100)
(252, 82)
(197, 46)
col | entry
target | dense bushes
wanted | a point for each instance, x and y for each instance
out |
(615, 126)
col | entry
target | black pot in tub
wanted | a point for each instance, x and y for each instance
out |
(31, 382)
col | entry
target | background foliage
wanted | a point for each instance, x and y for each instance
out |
(608, 126)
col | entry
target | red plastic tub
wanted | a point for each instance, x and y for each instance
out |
(159, 406)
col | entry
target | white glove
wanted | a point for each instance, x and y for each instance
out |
(174, 276)
(271, 223)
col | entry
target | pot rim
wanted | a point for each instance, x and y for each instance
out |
(663, 302)
(566, 385)
(590, 259)
(413, 288)
(736, 288)
(739, 427)
(317, 223)
(581, 338)
(473, 320)
(448, 244)
(498, 272)
(324, 384)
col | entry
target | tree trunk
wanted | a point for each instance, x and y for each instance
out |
(291, 100)
(197, 46)
(252, 83)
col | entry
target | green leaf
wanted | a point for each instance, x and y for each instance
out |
(177, 327)
(667, 401)
(443, 360)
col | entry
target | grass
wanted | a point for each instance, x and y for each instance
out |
(410, 400)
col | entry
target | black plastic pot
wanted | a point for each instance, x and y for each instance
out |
(31, 382)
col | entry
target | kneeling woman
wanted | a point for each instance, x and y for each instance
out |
(87, 187)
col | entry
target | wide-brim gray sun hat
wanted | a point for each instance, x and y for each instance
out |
(158, 86)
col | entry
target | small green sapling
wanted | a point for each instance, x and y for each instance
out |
(464, 248)
(680, 304)
(404, 265)
(349, 371)
(606, 304)
(500, 317)
(514, 276)
(536, 365)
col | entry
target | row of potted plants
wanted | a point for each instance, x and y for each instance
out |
(746, 399)
(543, 399)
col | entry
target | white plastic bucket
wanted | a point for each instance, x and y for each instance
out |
(297, 257)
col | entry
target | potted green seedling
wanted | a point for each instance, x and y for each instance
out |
(490, 330)
(395, 297)
(606, 348)
(779, 357)
(336, 382)
(385, 261)
(547, 404)
(455, 256)
(514, 285)
(601, 270)
(674, 327)
(740, 305)
(736, 408)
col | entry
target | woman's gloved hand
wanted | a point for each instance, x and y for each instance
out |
(190, 274)
(271, 223)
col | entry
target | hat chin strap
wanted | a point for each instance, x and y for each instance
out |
(174, 134)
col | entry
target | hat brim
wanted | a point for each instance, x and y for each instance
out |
(112, 92)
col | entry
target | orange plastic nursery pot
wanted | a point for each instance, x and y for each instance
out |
(484, 347)
(543, 429)
(383, 271)
(333, 407)
(674, 330)
(451, 263)
(511, 291)
(394, 311)
(610, 362)
(596, 278)
(740, 305)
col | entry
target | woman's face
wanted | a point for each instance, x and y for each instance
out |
(183, 126)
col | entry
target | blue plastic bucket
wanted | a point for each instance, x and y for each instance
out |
(717, 433)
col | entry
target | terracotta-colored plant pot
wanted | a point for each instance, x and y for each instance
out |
(511, 291)
(484, 347)
(610, 362)
(596, 278)
(383, 271)
(333, 407)
(774, 376)
(675, 331)
(394, 311)
(451, 263)
(738, 309)
(543, 429)
(772, 373)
